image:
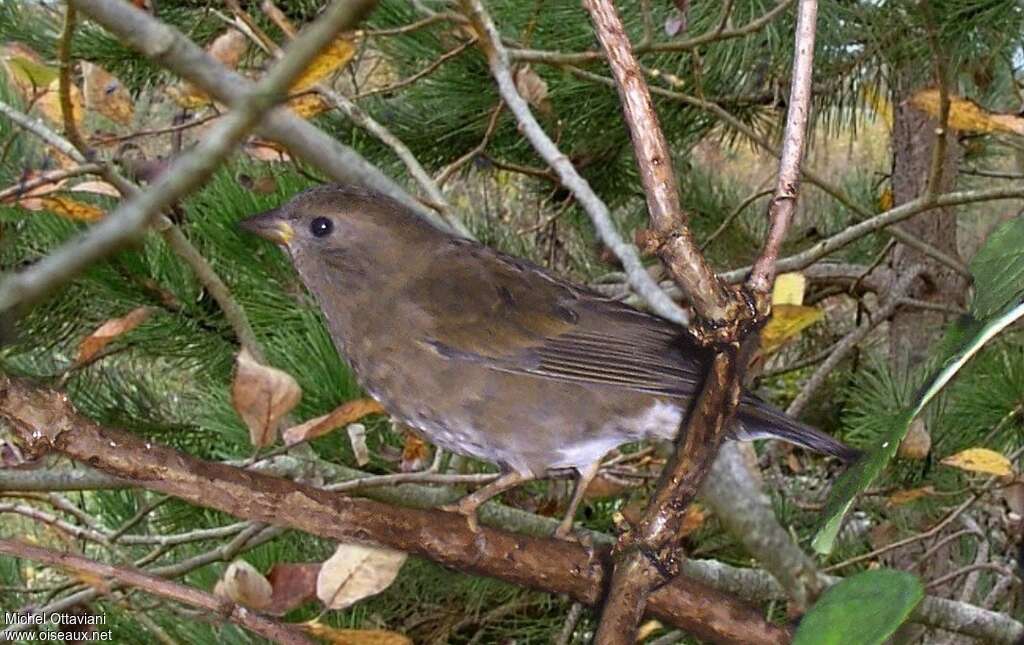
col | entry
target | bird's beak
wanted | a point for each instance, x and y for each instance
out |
(270, 226)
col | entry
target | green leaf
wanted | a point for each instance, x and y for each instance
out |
(998, 269)
(864, 609)
(860, 475)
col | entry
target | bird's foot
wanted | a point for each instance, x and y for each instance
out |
(467, 508)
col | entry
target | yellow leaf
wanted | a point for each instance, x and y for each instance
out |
(332, 58)
(885, 199)
(342, 415)
(338, 636)
(789, 289)
(49, 104)
(966, 115)
(308, 105)
(65, 207)
(980, 460)
(26, 71)
(786, 323)
(106, 95)
(901, 497)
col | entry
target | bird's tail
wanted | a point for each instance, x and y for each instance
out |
(759, 420)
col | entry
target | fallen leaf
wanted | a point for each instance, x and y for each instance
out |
(63, 206)
(1013, 495)
(648, 628)
(106, 95)
(693, 519)
(602, 487)
(786, 323)
(415, 453)
(332, 58)
(355, 572)
(917, 443)
(228, 48)
(338, 636)
(294, 584)
(29, 76)
(357, 438)
(980, 460)
(108, 331)
(38, 191)
(342, 415)
(263, 185)
(262, 395)
(261, 150)
(532, 87)
(966, 115)
(789, 289)
(885, 199)
(246, 586)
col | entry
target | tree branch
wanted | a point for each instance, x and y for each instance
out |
(187, 172)
(44, 419)
(497, 58)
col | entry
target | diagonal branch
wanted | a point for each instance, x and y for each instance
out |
(497, 58)
(44, 420)
(189, 171)
(215, 607)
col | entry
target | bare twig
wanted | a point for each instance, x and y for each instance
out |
(783, 204)
(497, 58)
(64, 79)
(19, 189)
(149, 583)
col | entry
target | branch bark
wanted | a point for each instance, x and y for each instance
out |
(44, 419)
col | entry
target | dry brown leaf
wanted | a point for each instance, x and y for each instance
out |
(901, 497)
(96, 188)
(342, 415)
(966, 115)
(262, 396)
(49, 104)
(108, 331)
(262, 150)
(38, 191)
(980, 460)
(106, 95)
(332, 58)
(355, 572)
(647, 629)
(693, 519)
(63, 206)
(602, 487)
(533, 88)
(786, 323)
(337, 636)
(294, 584)
(918, 442)
(1013, 495)
(246, 586)
(228, 48)
(415, 453)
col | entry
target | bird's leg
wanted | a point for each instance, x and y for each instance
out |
(467, 505)
(586, 476)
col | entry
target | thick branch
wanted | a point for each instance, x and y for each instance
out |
(225, 609)
(44, 419)
(673, 241)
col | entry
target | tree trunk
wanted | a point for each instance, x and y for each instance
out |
(913, 330)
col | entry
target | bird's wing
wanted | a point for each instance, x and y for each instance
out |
(513, 316)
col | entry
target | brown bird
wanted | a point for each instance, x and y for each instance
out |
(491, 356)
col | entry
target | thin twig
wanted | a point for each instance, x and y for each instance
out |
(497, 58)
(19, 189)
(64, 79)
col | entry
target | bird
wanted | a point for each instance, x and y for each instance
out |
(491, 356)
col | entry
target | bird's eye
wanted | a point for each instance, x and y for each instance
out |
(321, 227)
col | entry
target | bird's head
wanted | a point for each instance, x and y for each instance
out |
(332, 229)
